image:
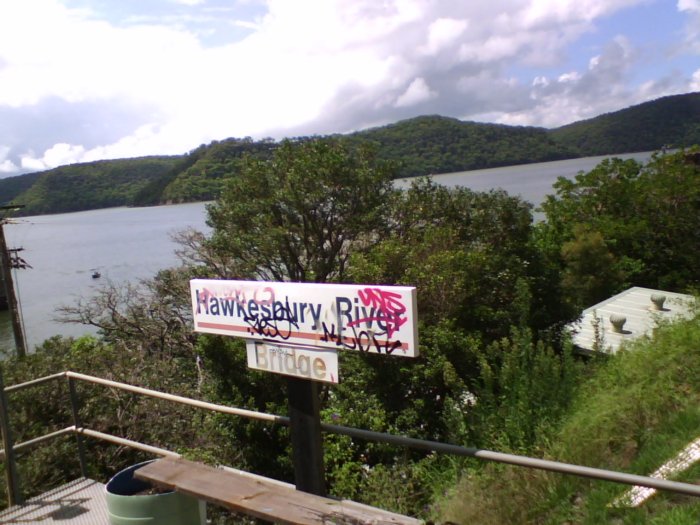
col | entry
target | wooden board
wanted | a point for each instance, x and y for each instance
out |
(262, 498)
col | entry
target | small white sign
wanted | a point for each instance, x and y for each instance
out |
(316, 365)
(366, 318)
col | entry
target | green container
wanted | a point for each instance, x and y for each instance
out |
(126, 507)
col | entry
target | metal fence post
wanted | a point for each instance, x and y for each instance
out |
(78, 424)
(14, 494)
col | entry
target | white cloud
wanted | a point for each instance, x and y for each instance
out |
(689, 5)
(247, 24)
(442, 33)
(418, 91)
(6, 165)
(691, 8)
(142, 142)
(695, 82)
(30, 163)
(308, 66)
(61, 154)
(603, 87)
(573, 76)
(540, 81)
(53, 51)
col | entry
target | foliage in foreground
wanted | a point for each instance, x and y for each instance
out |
(494, 371)
(112, 411)
(637, 411)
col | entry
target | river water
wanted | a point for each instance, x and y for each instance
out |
(532, 182)
(128, 244)
(123, 244)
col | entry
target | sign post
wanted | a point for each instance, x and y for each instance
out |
(305, 430)
(295, 329)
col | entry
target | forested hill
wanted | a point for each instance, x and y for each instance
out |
(434, 144)
(667, 122)
(421, 146)
(77, 187)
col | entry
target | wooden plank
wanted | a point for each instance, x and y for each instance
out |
(262, 498)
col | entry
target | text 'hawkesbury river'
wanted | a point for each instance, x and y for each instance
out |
(368, 319)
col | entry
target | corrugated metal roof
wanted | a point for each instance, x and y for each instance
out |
(636, 306)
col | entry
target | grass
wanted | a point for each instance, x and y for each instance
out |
(638, 410)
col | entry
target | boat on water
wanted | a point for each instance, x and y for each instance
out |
(96, 274)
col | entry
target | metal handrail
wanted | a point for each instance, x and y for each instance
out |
(71, 430)
(522, 461)
(250, 414)
(420, 444)
(31, 443)
(126, 442)
(34, 382)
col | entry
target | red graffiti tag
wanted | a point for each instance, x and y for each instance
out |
(386, 306)
(259, 295)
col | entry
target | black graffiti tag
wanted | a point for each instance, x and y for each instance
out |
(362, 340)
(277, 322)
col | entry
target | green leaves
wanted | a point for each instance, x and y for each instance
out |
(92, 185)
(433, 144)
(623, 223)
(300, 215)
(464, 252)
(523, 389)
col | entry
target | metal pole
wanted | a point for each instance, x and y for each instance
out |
(31, 443)
(78, 424)
(126, 442)
(20, 343)
(419, 444)
(521, 461)
(34, 382)
(250, 414)
(305, 430)
(14, 494)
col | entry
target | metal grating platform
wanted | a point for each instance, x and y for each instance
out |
(80, 502)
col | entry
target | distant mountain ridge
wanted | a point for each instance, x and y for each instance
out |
(670, 122)
(77, 187)
(421, 146)
(434, 144)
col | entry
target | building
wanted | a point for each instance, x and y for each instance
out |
(627, 316)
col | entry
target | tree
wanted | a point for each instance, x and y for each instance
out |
(152, 318)
(647, 217)
(299, 215)
(463, 250)
(590, 270)
(468, 255)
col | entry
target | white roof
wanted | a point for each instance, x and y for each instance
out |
(636, 306)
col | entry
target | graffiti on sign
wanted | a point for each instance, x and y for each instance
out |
(380, 319)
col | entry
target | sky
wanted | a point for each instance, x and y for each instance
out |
(83, 80)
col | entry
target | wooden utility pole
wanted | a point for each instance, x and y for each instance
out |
(6, 262)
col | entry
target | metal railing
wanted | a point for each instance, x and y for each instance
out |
(10, 449)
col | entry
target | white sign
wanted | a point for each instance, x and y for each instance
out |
(317, 365)
(379, 319)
